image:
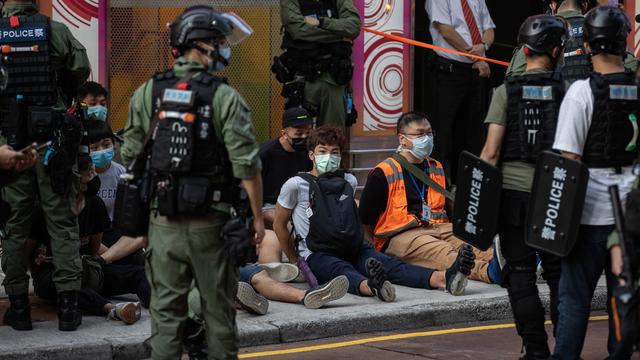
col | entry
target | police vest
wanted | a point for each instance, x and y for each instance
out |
(25, 42)
(613, 140)
(306, 50)
(533, 103)
(185, 141)
(576, 64)
(396, 218)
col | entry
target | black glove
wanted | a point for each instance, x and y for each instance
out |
(237, 242)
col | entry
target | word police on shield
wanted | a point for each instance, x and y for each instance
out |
(475, 213)
(555, 210)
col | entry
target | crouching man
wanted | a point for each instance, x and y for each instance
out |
(328, 233)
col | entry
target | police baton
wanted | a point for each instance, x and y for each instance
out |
(627, 272)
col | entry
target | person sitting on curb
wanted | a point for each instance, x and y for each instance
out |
(99, 281)
(327, 229)
(282, 158)
(406, 219)
(255, 289)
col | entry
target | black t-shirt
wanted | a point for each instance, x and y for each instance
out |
(373, 200)
(278, 165)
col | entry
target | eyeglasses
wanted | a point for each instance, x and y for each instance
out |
(428, 133)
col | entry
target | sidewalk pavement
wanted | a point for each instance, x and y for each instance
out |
(100, 339)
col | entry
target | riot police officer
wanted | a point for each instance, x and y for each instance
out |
(316, 66)
(203, 138)
(522, 120)
(32, 110)
(575, 63)
(597, 125)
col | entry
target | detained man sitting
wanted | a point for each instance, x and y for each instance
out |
(328, 234)
(406, 218)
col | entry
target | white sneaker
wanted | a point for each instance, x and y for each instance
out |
(331, 291)
(127, 312)
(282, 272)
(250, 300)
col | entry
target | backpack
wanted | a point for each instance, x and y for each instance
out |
(334, 226)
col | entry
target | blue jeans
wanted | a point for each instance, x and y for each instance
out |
(248, 271)
(579, 277)
(327, 266)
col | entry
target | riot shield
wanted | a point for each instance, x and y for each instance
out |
(555, 210)
(477, 204)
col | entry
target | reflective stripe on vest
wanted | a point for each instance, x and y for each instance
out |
(396, 217)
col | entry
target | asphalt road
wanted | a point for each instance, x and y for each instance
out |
(495, 341)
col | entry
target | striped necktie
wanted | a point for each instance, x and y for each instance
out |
(471, 22)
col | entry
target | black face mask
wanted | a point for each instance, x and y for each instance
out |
(93, 186)
(299, 144)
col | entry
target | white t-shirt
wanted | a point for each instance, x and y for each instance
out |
(109, 185)
(449, 12)
(294, 195)
(574, 120)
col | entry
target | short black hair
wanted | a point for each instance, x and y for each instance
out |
(326, 135)
(91, 88)
(410, 118)
(98, 130)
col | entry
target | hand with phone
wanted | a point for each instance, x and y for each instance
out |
(18, 160)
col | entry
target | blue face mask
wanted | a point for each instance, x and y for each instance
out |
(422, 146)
(97, 112)
(221, 62)
(102, 159)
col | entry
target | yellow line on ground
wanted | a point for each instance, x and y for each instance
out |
(387, 338)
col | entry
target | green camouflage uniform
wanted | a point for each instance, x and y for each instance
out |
(33, 186)
(185, 249)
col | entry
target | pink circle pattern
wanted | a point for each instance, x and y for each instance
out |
(376, 13)
(384, 82)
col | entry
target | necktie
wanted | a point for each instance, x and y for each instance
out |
(471, 22)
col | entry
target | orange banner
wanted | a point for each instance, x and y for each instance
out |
(433, 47)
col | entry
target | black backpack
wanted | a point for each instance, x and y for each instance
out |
(334, 222)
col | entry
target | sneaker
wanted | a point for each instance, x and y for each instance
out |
(377, 282)
(282, 272)
(127, 312)
(250, 300)
(331, 291)
(456, 275)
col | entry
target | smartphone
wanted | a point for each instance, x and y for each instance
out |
(38, 147)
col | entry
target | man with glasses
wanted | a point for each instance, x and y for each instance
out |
(407, 219)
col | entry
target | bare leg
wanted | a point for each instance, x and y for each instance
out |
(437, 280)
(125, 246)
(268, 216)
(276, 291)
(269, 250)
(365, 290)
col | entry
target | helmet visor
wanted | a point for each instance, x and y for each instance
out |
(241, 30)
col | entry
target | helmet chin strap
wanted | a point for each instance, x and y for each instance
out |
(213, 54)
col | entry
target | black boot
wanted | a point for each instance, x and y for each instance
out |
(69, 317)
(194, 340)
(18, 315)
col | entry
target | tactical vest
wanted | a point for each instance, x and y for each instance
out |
(307, 50)
(25, 42)
(185, 142)
(613, 139)
(533, 103)
(576, 64)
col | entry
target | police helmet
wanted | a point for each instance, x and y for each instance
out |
(540, 34)
(606, 29)
(198, 22)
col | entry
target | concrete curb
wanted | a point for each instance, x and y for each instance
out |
(129, 343)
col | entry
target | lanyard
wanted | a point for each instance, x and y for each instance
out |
(424, 186)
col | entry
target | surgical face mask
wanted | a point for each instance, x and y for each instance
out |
(221, 60)
(422, 146)
(98, 112)
(298, 144)
(327, 163)
(102, 159)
